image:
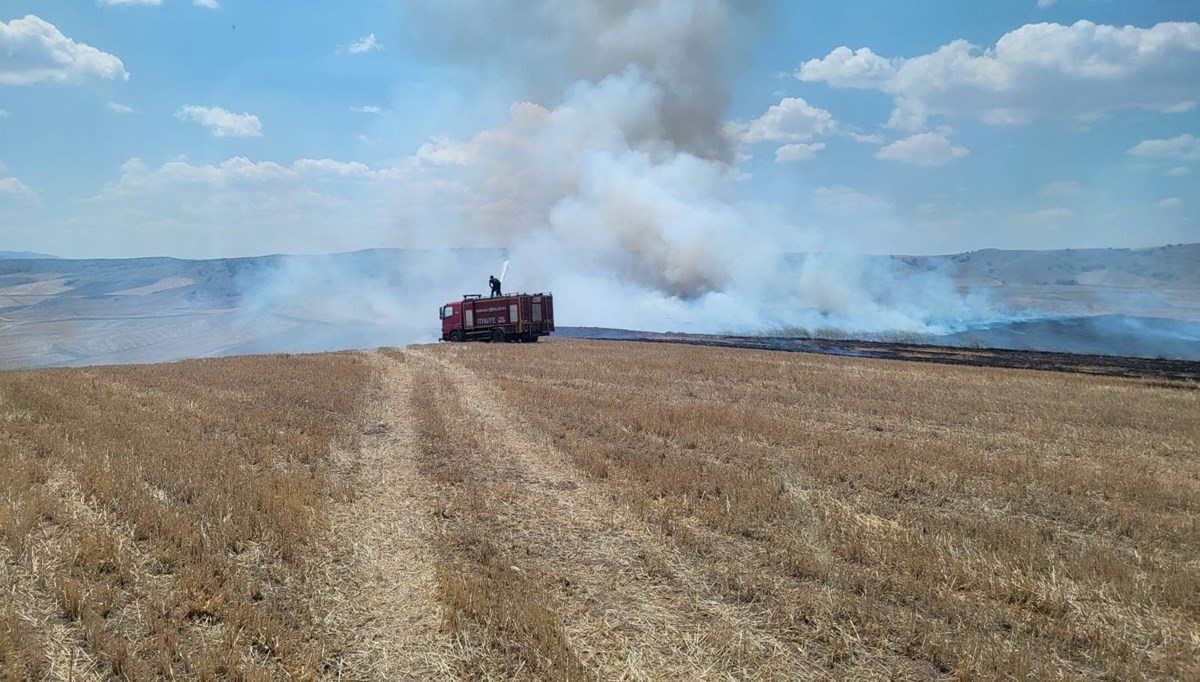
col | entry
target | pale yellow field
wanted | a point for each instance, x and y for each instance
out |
(596, 510)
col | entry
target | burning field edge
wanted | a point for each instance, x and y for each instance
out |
(1103, 365)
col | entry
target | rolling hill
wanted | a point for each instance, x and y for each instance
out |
(81, 312)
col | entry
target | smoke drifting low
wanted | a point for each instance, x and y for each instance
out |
(617, 189)
(612, 182)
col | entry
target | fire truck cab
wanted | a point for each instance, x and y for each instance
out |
(511, 317)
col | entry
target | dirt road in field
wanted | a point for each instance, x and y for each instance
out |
(385, 593)
(629, 605)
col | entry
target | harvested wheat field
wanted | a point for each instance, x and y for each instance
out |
(596, 510)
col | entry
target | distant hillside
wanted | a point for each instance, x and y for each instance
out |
(76, 312)
(105, 311)
(1164, 265)
(1156, 282)
(23, 255)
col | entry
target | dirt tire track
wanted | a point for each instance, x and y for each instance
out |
(623, 622)
(382, 591)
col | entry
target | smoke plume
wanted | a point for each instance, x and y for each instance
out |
(619, 183)
(612, 180)
(626, 171)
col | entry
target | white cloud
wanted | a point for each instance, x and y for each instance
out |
(210, 4)
(1185, 146)
(4, 112)
(364, 44)
(1046, 215)
(13, 187)
(241, 172)
(841, 199)
(1043, 4)
(35, 51)
(331, 168)
(223, 123)
(846, 68)
(1169, 202)
(922, 149)
(798, 151)
(866, 139)
(1066, 188)
(1179, 171)
(368, 109)
(183, 206)
(446, 151)
(1078, 72)
(118, 108)
(137, 179)
(792, 120)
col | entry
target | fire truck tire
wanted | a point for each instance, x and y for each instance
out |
(456, 336)
(497, 336)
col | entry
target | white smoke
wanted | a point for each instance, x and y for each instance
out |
(611, 182)
(623, 183)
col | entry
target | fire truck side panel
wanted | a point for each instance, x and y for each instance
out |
(519, 316)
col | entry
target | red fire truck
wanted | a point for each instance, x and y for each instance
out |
(511, 317)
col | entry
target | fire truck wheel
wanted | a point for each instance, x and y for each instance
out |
(497, 336)
(456, 336)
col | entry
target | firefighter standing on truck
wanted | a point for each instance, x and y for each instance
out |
(495, 283)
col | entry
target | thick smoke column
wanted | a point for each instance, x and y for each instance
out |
(628, 171)
(620, 178)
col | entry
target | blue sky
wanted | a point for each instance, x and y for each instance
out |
(206, 129)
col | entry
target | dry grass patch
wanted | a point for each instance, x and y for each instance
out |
(605, 510)
(503, 619)
(897, 520)
(161, 521)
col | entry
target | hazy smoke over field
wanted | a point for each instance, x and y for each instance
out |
(610, 176)
(616, 186)
(612, 182)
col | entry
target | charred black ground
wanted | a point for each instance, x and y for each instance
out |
(1107, 365)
